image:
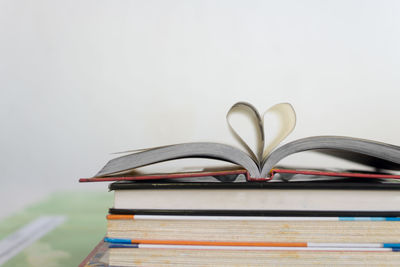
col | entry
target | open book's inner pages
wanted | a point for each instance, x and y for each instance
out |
(187, 150)
(259, 161)
(375, 154)
(371, 153)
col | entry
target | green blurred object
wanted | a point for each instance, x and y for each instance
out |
(69, 243)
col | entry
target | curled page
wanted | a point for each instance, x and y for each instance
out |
(287, 118)
(254, 117)
(138, 150)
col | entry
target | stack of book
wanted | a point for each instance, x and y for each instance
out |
(256, 215)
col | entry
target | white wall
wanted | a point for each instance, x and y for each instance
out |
(81, 79)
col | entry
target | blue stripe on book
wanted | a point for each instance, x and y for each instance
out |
(369, 218)
(396, 249)
(391, 245)
(392, 218)
(117, 240)
(361, 219)
(123, 246)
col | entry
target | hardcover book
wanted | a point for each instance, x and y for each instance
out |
(342, 195)
(258, 163)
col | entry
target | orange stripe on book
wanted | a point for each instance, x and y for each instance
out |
(218, 243)
(120, 217)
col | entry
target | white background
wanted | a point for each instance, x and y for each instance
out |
(82, 79)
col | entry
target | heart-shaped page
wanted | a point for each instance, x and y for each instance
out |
(255, 143)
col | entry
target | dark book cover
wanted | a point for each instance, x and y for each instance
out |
(344, 184)
(284, 213)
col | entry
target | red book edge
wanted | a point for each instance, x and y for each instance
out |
(242, 171)
(336, 174)
(163, 176)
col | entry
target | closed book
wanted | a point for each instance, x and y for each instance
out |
(184, 256)
(220, 230)
(346, 195)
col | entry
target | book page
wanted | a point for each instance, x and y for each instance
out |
(286, 118)
(249, 128)
(246, 125)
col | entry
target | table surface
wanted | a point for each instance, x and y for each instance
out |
(69, 243)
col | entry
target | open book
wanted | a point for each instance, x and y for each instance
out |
(259, 161)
